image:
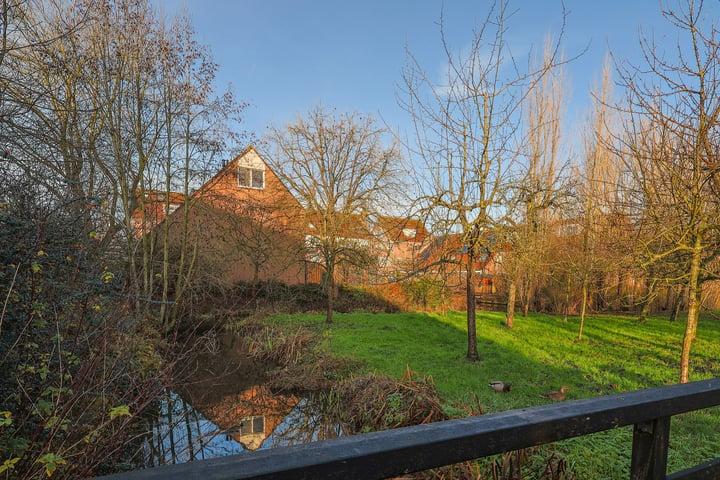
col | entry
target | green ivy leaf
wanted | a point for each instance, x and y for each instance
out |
(51, 461)
(43, 407)
(54, 421)
(119, 411)
(9, 464)
(5, 418)
(18, 445)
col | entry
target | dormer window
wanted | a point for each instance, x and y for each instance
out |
(251, 171)
(249, 177)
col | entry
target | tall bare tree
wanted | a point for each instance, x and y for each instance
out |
(340, 169)
(108, 101)
(540, 191)
(671, 140)
(197, 130)
(598, 179)
(467, 136)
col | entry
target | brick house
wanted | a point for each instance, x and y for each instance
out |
(153, 207)
(399, 242)
(447, 257)
(244, 225)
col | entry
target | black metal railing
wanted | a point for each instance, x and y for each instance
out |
(400, 451)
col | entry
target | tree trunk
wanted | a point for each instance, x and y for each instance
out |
(644, 310)
(255, 279)
(677, 303)
(472, 353)
(330, 285)
(566, 309)
(650, 295)
(583, 308)
(510, 307)
(693, 310)
(619, 300)
(330, 307)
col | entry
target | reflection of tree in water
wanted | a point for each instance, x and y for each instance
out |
(250, 420)
(178, 433)
(225, 408)
(306, 423)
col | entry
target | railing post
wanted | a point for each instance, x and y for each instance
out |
(650, 449)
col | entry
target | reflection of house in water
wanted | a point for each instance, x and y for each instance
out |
(223, 408)
(250, 416)
(250, 432)
(227, 389)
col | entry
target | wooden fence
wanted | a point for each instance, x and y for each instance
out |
(392, 453)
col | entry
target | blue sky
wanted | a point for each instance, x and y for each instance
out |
(286, 56)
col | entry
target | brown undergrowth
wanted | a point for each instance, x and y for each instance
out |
(378, 402)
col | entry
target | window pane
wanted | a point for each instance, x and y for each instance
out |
(244, 177)
(259, 425)
(246, 425)
(258, 179)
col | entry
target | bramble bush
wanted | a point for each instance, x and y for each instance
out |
(77, 366)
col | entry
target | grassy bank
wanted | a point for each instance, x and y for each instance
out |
(540, 354)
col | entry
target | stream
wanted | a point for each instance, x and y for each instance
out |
(226, 409)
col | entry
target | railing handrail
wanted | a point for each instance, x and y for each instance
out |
(399, 451)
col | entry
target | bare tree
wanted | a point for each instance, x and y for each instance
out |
(671, 140)
(467, 132)
(340, 170)
(79, 102)
(86, 118)
(197, 130)
(598, 178)
(540, 191)
(108, 102)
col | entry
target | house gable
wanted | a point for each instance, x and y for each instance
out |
(247, 178)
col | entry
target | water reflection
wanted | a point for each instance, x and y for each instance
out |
(225, 409)
(251, 415)
(180, 433)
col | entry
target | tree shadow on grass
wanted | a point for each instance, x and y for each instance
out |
(436, 345)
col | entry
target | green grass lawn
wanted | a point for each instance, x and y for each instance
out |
(540, 354)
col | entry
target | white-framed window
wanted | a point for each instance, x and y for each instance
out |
(254, 424)
(249, 177)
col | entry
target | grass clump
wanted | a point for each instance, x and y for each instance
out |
(374, 402)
